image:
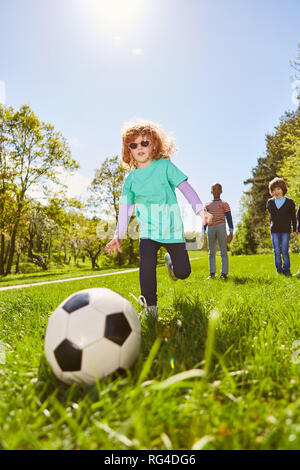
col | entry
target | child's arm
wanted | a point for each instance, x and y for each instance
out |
(230, 225)
(294, 220)
(125, 214)
(193, 198)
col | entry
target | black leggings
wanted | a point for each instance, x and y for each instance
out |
(148, 262)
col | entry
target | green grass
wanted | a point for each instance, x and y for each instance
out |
(51, 275)
(66, 272)
(215, 372)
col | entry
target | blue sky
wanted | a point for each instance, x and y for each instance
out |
(215, 73)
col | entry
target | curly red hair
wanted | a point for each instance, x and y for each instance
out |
(163, 145)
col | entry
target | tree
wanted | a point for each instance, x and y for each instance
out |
(61, 211)
(106, 187)
(105, 192)
(91, 242)
(244, 242)
(290, 169)
(31, 152)
(76, 241)
(37, 226)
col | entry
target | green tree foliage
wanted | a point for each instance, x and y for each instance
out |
(244, 241)
(31, 152)
(106, 188)
(91, 243)
(290, 168)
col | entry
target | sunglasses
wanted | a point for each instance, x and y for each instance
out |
(144, 143)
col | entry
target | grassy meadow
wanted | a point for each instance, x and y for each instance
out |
(219, 370)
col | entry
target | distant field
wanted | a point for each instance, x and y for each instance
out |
(248, 399)
(65, 273)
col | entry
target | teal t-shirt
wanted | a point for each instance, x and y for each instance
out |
(152, 189)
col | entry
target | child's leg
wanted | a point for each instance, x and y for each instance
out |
(180, 259)
(222, 239)
(212, 246)
(148, 262)
(285, 239)
(276, 242)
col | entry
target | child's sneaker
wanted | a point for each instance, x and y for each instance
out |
(149, 311)
(169, 265)
(211, 276)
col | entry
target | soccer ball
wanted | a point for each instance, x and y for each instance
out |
(91, 334)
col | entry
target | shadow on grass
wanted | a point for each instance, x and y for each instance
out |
(49, 387)
(240, 280)
(188, 340)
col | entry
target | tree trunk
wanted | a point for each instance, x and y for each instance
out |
(49, 248)
(35, 259)
(94, 257)
(17, 264)
(2, 248)
(6, 253)
(38, 260)
(130, 261)
(12, 249)
(13, 239)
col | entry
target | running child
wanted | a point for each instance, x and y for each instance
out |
(150, 185)
(282, 215)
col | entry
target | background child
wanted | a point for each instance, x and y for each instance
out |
(217, 231)
(150, 185)
(282, 215)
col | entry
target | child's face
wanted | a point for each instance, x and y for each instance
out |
(216, 191)
(277, 192)
(143, 151)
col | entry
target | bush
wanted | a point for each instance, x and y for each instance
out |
(244, 241)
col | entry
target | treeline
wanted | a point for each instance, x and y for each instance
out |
(282, 159)
(59, 230)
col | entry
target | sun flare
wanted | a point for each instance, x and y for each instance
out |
(116, 12)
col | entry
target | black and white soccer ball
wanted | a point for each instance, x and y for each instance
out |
(92, 334)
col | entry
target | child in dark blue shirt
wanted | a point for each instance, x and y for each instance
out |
(282, 215)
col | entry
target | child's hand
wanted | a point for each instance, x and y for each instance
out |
(207, 218)
(114, 245)
(229, 237)
(295, 234)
